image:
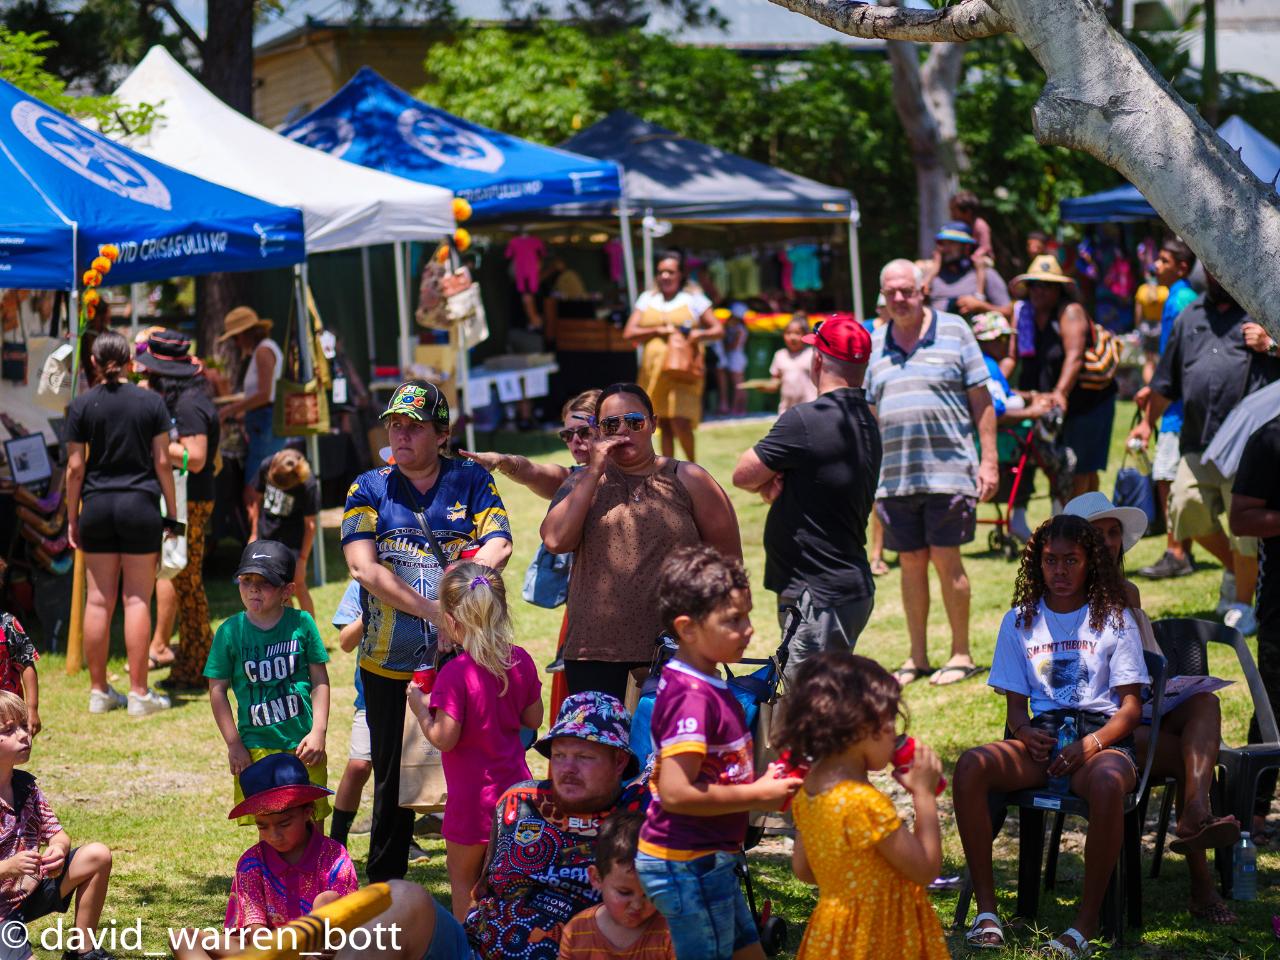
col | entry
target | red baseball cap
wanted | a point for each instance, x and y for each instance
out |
(843, 338)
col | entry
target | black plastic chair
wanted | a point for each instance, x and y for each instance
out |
(1122, 905)
(1185, 642)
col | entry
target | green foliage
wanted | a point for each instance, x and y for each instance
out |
(22, 63)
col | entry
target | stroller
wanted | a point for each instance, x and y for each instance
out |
(1037, 442)
(757, 692)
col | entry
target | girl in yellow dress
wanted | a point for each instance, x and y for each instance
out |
(870, 871)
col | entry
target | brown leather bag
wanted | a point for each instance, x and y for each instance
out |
(684, 362)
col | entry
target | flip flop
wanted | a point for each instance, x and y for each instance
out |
(905, 674)
(1217, 913)
(1213, 833)
(155, 663)
(965, 671)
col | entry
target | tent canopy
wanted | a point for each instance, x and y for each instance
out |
(69, 190)
(374, 123)
(343, 205)
(1126, 203)
(681, 179)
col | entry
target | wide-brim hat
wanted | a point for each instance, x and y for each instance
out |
(241, 320)
(276, 783)
(991, 325)
(595, 717)
(956, 231)
(1097, 506)
(1043, 269)
(168, 353)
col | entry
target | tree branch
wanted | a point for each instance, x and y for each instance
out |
(188, 31)
(966, 20)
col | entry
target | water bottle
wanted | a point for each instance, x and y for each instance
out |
(1066, 737)
(1244, 881)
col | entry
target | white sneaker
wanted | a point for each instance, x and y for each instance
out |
(144, 706)
(1226, 593)
(1018, 525)
(100, 701)
(1241, 617)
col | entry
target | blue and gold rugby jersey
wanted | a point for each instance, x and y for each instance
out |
(463, 509)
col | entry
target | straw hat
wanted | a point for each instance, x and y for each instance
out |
(1043, 269)
(240, 320)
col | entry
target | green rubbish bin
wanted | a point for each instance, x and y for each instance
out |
(760, 350)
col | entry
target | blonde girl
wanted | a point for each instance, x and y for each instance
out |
(481, 700)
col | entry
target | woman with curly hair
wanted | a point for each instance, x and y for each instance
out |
(1067, 648)
(870, 870)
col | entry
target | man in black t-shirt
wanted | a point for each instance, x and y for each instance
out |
(1255, 512)
(818, 467)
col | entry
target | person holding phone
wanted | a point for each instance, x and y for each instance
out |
(621, 515)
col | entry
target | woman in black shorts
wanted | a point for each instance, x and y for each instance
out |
(118, 462)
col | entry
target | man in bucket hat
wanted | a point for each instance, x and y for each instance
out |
(962, 284)
(544, 832)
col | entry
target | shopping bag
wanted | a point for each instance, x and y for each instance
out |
(422, 786)
(1101, 359)
(302, 406)
(546, 582)
(684, 362)
(173, 550)
(1135, 488)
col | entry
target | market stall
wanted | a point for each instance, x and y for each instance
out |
(80, 209)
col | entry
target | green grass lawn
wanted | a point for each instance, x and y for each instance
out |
(157, 790)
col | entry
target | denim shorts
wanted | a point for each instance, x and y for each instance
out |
(703, 902)
(1087, 722)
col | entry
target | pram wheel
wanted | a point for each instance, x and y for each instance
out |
(995, 540)
(1012, 550)
(773, 935)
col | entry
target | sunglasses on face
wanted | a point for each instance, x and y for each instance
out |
(582, 433)
(611, 426)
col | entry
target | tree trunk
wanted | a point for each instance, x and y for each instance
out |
(925, 100)
(1103, 97)
(227, 70)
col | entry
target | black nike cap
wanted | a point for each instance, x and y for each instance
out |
(270, 559)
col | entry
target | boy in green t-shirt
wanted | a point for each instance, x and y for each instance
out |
(272, 658)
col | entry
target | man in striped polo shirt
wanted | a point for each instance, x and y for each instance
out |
(927, 382)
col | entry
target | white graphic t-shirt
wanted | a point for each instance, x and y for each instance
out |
(1061, 663)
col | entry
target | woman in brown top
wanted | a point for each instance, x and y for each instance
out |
(621, 514)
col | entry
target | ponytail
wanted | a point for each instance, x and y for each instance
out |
(475, 596)
(111, 355)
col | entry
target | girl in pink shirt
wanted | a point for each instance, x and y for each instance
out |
(481, 700)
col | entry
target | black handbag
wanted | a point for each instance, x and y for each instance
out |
(13, 357)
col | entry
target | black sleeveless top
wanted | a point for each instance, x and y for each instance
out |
(1040, 372)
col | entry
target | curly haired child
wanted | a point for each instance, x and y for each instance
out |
(481, 700)
(1067, 648)
(870, 871)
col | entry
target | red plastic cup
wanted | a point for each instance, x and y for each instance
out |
(425, 679)
(789, 767)
(904, 755)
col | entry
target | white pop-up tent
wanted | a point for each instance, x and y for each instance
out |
(343, 205)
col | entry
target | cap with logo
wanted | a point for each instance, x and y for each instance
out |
(269, 559)
(843, 338)
(419, 400)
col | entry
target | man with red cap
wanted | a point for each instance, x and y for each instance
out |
(818, 468)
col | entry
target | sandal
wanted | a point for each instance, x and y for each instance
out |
(965, 671)
(978, 937)
(1216, 912)
(155, 663)
(905, 674)
(1055, 948)
(1213, 833)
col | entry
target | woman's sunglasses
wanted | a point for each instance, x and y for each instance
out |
(611, 426)
(582, 433)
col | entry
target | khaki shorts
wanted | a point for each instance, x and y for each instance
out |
(1200, 494)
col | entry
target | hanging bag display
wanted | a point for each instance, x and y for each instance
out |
(173, 550)
(684, 362)
(302, 392)
(1101, 359)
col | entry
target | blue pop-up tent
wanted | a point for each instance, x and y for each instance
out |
(374, 123)
(69, 190)
(1126, 203)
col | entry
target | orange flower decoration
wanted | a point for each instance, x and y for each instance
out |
(102, 265)
(91, 278)
(461, 209)
(110, 251)
(91, 299)
(442, 253)
(462, 239)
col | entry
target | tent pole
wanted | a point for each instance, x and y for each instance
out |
(647, 249)
(402, 305)
(854, 270)
(463, 383)
(365, 273)
(75, 627)
(135, 307)
(307, 362)
(628, 251)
